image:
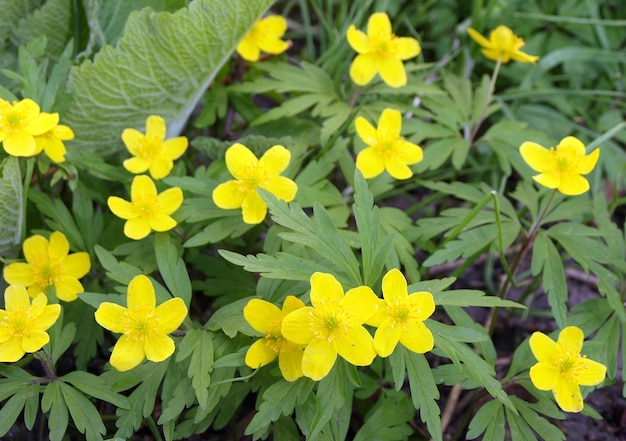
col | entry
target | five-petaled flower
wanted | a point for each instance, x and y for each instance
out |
(23, 325)
(333, 325)
(146, 210)
(400, 317)
(561, 168)
(20, 123)
(267, 319)
(48, 263)
(51, 142)
(250, 174)
(264, 36)
(386, 149)
(380, 51)
(151, 151)
(143, 325)
(562, 369)
(502, 45)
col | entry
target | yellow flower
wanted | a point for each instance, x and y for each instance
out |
(386, 149)
(150, 151)
(49, 263)
(23, 325)
(51, 142)
(20, 122)
(143, 325)
(264, 36)
(267, 319)
(502, 44)
(561, 168)
(251, 173)
(400, 317)
(333, 325)
(380, 51)
(147, 210)
(562, 369)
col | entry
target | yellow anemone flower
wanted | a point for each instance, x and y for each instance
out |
(147, 210)
(333, 325)
(267, 319)
(561, 168)
(386, 149)
(251, 173)
(264, 36)
(23, 325)
(562, 369)
(400, 317)
(502, 44)
(150, 151)
(49, 263)
(51, 142)
(20, 122)
(380, 51)
(143, 325)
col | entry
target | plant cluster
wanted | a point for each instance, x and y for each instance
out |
(327, 236)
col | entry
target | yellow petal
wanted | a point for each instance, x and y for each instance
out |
(524, 57)
(159, 347)
(137, 228)
(549, 180)
(175, 148)
(142, 187)
(281, 187)
(16, 298)
(133, 140)
(380, 315)
(386, 339)
(571, 339)
(544, 376)
(239, 161)
(272, 45)
(478, 38)
(325, 288)
(537, 157)
(417, 337)
(366, 131)
(390, 123)
(358, 40)
(363, 69)
(290, 304)
(160, 167)
(248, 49)
(58, 247)
(394, 286)
(361, 302)
(543, 347)
(503, 38)
(588, 163)
(127, 353)
(77, 264)
(42, 123)
(408, 152)
(253, 209)
(155, 127)
(573, 185)
(295, 326)
(55, 150)
(64, 132)
(228, 196)
(589, 372)
(568, 396)
(11, 350)
(121, 208)
(397, 168)
(48, 316)
(34, 341)
(275, 25)
(260, 314)
(275, 160)
(407, 47)
(370, 162)
(423, 304)
(379, 25)
(19, 273)
(260, 354)
(112, 317)
(171, 315)
(36, 248)
(356, 347)
(496, 54)
(392, 72)
(68, 288)
(161, 222)
(20, 144)
(318, 359)
(290, 361)
(140, 293)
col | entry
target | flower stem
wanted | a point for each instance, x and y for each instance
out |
(492, 88)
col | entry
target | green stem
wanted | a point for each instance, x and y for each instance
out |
(492, 88)
(30, 166)
(472, 214)
(154, 428)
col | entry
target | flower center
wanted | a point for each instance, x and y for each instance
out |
(330, 322)
(150, 148)
(255, 177)
(47, 273)
(569, 364)
(146, 205)
(140, 324)
(19, 320)
(564, 161)
(383, 45)
(274, 338)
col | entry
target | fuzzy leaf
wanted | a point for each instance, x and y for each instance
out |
(10, 206)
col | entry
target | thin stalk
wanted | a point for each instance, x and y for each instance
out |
(492, 88)
(472, 214)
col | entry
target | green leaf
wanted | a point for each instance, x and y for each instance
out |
(31, 409)
(58, 218)
(12, 409)
(10, 206)
(172, 267)
(546, 261)
(198, 344)
(540, 425)
(388, 419)
(333, 392)
(490, 420)
(163, 63)
(53, 401)
(84, 414)
(54, 20)
(229, 319)
(424, 392)
(472, 297)
(96, 387)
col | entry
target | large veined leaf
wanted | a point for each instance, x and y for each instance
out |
(161, 65)
(10, 205)
(54, 20)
